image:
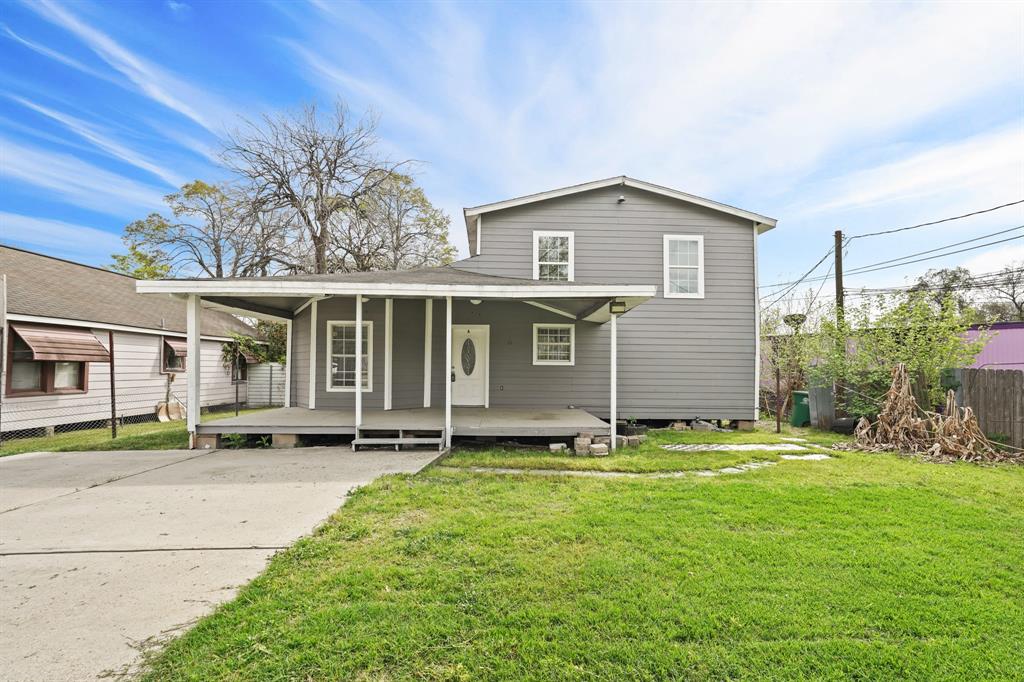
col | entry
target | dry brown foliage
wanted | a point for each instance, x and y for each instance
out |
(904, 427)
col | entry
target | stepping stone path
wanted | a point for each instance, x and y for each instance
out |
(703, 473)
(732, 447)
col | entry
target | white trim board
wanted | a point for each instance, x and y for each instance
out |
(368, 330)
(761, 223)
(285, 287)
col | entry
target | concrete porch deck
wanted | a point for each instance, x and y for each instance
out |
(466, 421)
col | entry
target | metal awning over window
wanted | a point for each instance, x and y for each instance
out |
(61, 344)
(249, 357)
(179, 346)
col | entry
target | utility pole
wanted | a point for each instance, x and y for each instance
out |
(840, 316)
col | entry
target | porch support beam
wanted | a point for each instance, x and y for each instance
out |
(359, 362)
(192, 365)
(614, 380)
(428, 336)
(288, 363)
(389, 309)
(312, 354)
(448, 373)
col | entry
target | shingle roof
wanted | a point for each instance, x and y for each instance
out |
(50, 287)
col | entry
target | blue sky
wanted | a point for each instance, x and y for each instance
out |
(825, 116)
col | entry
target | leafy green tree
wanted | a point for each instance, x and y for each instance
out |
(859, 352)
(141, 264)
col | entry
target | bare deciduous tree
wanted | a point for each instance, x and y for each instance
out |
(212, 231)
(1009, 288)
(313, 166)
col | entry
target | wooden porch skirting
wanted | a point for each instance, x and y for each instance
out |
(466, 421)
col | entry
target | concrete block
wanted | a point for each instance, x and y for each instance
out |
(680, 426)
(285, 440)
(632, 441)
(603, 440)
(744, 425)
(207, 441)
(702, 426)
(586, 434)
(642, 438)
(599, 450)
(621, 441)
(556, 447)
(581, 446)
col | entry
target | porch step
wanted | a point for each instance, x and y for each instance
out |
(397, 442)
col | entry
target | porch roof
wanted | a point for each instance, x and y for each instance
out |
(280, 296)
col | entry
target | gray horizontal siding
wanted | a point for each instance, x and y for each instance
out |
(678, 358)
(299, 360)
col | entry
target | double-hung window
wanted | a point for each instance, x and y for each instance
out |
(554, 344)
(684, 266)
(553, 256)
(341, 356)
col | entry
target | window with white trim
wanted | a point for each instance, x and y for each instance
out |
(684, 266)
(554, 344)
(553, 256)
(341, 355)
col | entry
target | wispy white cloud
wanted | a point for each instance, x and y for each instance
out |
(153, 81)
(79, 242)
(65, 178)
(103, 141)
(991, 164)
(59, 57)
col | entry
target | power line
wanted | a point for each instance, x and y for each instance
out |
(936, 222)
(940, 248)
(796, 283)
(871, 267)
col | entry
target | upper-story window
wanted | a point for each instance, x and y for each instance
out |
(553, 256)
(684, 266)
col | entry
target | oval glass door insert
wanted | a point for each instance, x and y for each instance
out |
(468, 357)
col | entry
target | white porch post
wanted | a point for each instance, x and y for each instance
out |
(428, 334)
(192, 363)
(312, 355)
(448, 373)
(389, 305)
(614, 380)
(359, 362)
(288, 363)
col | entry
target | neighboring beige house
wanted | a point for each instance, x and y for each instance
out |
(58, 320)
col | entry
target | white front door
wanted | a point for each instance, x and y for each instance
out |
(470, 350)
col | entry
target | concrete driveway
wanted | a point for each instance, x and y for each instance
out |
(105, 553)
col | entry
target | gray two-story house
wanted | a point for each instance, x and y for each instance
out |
(578, 306)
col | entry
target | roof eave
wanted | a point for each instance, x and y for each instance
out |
(761, 223)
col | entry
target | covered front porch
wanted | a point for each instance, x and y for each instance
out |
(443, 353)
(500, 422)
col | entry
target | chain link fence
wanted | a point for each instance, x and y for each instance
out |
(129, 409)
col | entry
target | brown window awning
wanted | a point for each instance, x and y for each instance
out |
(249, 357)
(61, 344)
(179, 346)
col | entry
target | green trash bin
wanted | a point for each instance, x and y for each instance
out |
(801, 414)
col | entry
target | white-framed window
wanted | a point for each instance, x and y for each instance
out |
(554, 344)
(553, 256)
(341, 355)
(684, 266)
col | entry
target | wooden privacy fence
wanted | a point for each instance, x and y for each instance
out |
(997, 398)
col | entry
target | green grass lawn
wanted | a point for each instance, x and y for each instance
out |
(650, 457)
(144, 436)
(865, 566)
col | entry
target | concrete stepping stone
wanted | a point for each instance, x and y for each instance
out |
(732, 447)
(812, 457)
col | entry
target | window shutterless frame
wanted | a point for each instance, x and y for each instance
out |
(539, 328)
(697, 268)
(570, 263)
(367, 360)
(47, 376)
